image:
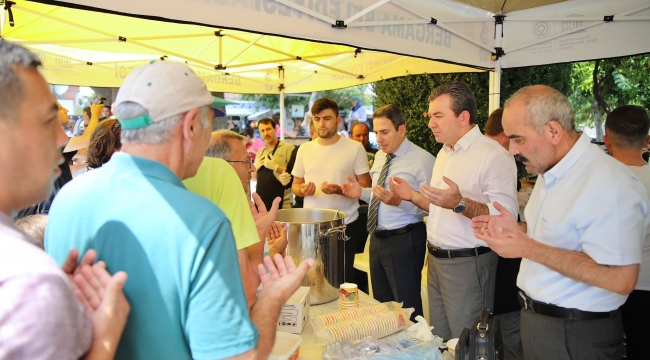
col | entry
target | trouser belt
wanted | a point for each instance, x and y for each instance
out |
(527, 303)
(402, 230)
(450, 254)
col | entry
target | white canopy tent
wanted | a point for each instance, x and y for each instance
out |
(366, 38)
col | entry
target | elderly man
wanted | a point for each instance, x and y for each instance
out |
(271, 164)
(626, 135)
(39, 315)
(321, 165)
(581, 248)
(470, 174)
(398, 235)
(185, 289)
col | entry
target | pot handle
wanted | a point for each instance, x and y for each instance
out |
(338, 229)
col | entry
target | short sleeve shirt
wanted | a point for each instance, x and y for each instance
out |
(184, 287)
(317, 163)
(590, 203)
(218, 182)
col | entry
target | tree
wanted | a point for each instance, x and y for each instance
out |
(411, 94)
(602, 85)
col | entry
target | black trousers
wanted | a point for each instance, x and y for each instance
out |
(636, 319)
(396, 268)
(357, 233)
(544, 337)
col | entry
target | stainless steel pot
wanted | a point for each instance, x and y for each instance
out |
(317, 234)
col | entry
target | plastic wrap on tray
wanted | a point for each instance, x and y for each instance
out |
(376, 325)
(318, 322)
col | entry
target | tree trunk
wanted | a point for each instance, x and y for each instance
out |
(598, 120)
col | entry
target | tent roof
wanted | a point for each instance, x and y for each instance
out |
(89, 48)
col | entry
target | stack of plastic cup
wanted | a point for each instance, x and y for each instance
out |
(348, 296)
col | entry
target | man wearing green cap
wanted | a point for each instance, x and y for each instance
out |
(185, 289)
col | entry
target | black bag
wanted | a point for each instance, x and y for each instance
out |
(483, 341)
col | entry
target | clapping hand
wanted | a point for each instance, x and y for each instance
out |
(263, 218)
(386, 196)
(352, 189)
(277, 238)
(283, 278)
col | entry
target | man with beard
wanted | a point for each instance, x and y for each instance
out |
(271, 164)
(323, 164)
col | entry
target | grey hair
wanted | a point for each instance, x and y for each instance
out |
(219, 147)
(13, 56)
(544, 107)
(157, 132)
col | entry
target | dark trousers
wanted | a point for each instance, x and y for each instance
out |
(396, 268)
(544, 337)
(356, 231)
(636, 322)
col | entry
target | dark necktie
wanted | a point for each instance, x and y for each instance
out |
(373, 209)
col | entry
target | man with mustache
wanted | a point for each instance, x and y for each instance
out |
(271, 164)
(581, 246)
(471, 173)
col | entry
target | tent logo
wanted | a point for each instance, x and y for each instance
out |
(541, 29)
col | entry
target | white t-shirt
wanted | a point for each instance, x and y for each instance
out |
(317, 163)
(643, 173)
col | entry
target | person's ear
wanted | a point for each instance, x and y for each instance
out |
(554, 131)
(607, 141)
(464, 118)
(647, 141)
(402, 129)
(339, 119)
(191, 125)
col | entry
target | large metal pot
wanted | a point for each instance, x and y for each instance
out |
(317, 234)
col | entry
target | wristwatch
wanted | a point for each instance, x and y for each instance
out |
(461, 205)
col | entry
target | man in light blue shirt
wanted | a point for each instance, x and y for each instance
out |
(185, 288)
(581, 248)
(398, 235)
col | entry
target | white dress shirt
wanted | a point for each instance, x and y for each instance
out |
(590, 203)
(411, 163)
(485, 173)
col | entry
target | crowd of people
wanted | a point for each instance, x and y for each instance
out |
(157, 249)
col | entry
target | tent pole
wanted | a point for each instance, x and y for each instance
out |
(281, 71)
(495, 77)
(2, 16)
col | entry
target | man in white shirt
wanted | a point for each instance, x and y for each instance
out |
(581, 248)
(321, 165)
(470, 174)
(398, 235)
(626, 134)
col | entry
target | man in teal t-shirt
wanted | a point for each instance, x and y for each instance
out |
(185, 291)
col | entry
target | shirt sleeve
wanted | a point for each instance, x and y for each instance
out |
(361, 161)
(614, 236)
(499, 185)
(217, 325)
(298, 168)
(41, 319)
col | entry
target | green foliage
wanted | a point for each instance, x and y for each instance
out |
(343, 98)
(411, 94)
(610, 83)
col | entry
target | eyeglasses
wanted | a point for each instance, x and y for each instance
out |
(248, 161)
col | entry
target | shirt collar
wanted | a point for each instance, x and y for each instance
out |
(126, 163)
(567, 162)
(467, 139)
(403, 148)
